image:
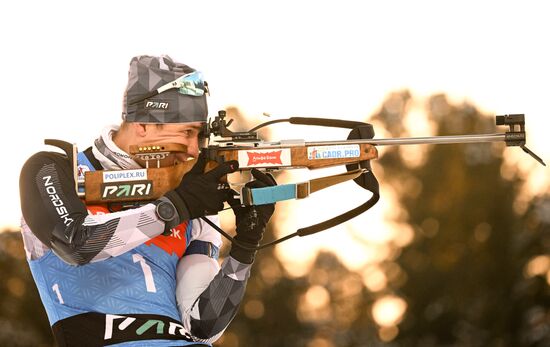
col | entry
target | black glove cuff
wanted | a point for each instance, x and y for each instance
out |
(244, 256)
(249, 238)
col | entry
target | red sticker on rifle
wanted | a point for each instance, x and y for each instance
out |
(264, 158)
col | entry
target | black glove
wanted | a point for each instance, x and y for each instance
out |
(251, 220)
(200, 192)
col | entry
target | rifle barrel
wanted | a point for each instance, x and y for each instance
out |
(480, 138)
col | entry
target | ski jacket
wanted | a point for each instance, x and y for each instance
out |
(109, 278)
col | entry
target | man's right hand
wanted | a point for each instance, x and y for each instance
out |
(201, 192)
(251, 221)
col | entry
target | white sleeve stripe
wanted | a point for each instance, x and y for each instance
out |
(133, 228)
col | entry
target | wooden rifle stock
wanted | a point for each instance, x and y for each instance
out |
(150, 183)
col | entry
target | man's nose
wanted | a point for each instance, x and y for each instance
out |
(193, 148)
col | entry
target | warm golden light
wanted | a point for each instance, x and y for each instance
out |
(314, 305)
(387, 334)
(538, 265)
(375, 279)
(228, 339)
(320, 342)
(388, 310)
(482, 232)
(270, 271)
(317, 297)
(254, 309)
(16, 287)
(351, 286)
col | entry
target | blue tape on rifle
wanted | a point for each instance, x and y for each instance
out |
(270, 195)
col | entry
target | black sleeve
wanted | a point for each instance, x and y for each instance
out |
(48, 197)
(59, 219)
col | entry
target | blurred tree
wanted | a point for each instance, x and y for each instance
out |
(326, 308)
(466, 284)
(531, 293)
(23, 320)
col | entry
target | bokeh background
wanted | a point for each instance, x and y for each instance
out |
(456, 253)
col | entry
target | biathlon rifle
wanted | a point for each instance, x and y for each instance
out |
(128, 188)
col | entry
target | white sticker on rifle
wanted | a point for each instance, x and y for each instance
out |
(333, 152)
(124, 175)
(265, 158)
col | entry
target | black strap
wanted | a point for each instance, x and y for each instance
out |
(373, 188)
(323, 122)
(90, 155)
(326, 122)
(202, 247)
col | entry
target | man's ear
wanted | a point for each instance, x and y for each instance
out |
(140, 129)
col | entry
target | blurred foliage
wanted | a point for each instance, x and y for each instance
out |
(465, 268)
(466, 281)
(23, 320)
(476, 273)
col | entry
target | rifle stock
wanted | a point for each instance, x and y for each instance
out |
(150, 183)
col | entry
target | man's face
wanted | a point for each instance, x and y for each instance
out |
(182, 133)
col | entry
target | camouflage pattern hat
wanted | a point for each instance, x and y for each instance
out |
(146, 75)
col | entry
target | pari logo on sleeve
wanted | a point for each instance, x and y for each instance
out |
(265, 158)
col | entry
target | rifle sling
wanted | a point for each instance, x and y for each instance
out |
(371, 184)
